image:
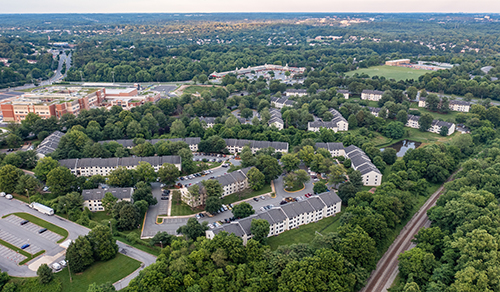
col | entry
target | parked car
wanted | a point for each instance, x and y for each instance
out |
(42, 230)
(56, 266)
(283, 202)
(197, 216)
(165, 195)
(24, 222)
(25, 246)
(8, 197)
(255, 199)
(63, 263)
(2, 194)
(164, 198)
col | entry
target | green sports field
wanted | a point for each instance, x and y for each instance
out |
(390, 72)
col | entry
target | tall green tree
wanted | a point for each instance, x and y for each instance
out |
(256, 179)
(60, 181)
(193, 229)
(168, 173)
(243, 210)
(79, 254)
(260, 230)
(9, 177)
(290, 161)
(103, 244)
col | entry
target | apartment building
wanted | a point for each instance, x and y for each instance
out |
(231, 183)
(335, 149)
(281, 102)
(370, 174)
(295, 92)
(129, 143)
(49, 144)
(207, 122)
(57, 101)
(374, 110)
(338, 123)
(454, 105)
(435, 126)
(285, 217)
(92, 199)
(373, 95)
(276, 119)
(236, 145)
(344, 92)
(460, 106)
(103, 166)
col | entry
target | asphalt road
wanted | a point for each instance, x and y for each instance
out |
(387, 268)
(13, 206)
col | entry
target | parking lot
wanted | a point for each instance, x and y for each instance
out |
(34, 228)
(11, 255)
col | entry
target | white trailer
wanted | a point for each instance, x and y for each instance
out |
(42, 208)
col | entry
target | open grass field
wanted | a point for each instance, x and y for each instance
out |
(182, 209)
(390, 72)
(246, 194)
(192, 89)
(305, 233)
(100, 273)
(42, 223)
(445, 117)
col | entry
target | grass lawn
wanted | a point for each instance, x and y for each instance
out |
(145, 247)
(100, 216)
(296, 187)
(197, 88)
(182, 209)
(305, 233)
(20, 197)
(445, 117)
(246, 194)
(426, 137)
(100, 273)
(390, 72)
(42, 223)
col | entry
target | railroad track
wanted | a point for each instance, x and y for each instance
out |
(387, 268)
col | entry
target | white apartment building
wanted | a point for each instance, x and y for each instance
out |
(103, 166)
(373, 95)
(236, 145)
(92, 199)
(231, 183)
(129, 143)
(285, 217)
(370, 174)
(344, 92)
(281, 102)
(338, 123)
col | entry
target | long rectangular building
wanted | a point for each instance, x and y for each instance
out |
(49, 144)
(236, 145)
(129, 143)
(231, 183)
(103, 166)
(92, 198)
(285, 217)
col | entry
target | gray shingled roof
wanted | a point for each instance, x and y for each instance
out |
(330, 146)
(50, 143)
(459, 102)
(127, 143)
(372, 92)
(115, 161)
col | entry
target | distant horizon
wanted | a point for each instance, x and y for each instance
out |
(257, 6)
(255, 12)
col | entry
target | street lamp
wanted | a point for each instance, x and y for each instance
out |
(29, 199)
(161, 244)
(69, 271)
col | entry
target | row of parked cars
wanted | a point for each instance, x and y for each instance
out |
(194, 175)
(266, 207)
(7, 196)
(58, 266)
(220, 222)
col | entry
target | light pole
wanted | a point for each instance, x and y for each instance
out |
(29, 199)
(69, 271)
(161, 244)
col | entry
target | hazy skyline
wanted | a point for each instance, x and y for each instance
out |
(192, 6)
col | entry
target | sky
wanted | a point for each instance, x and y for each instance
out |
(191, 6)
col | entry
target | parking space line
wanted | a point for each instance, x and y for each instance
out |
(34, 228)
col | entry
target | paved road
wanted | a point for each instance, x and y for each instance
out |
(12, 206)
(387, 268)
